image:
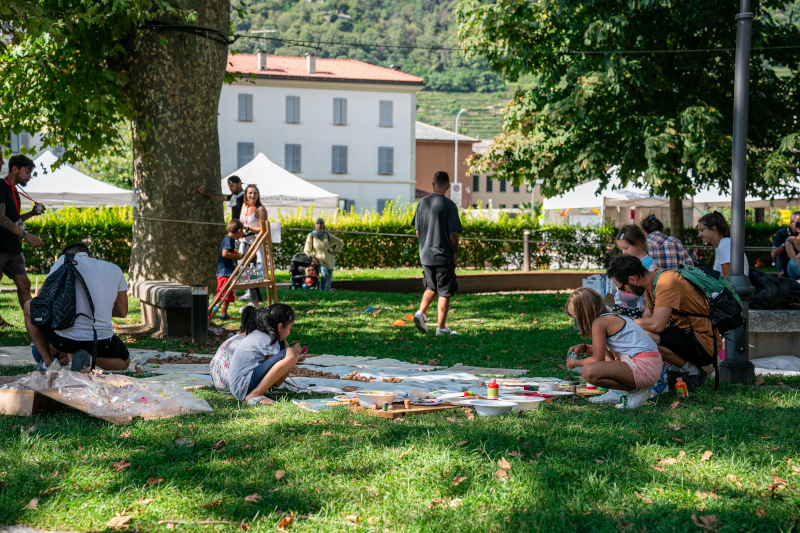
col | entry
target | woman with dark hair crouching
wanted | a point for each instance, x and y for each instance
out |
(263, 360)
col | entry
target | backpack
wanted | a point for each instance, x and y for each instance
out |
(725, 307)
(55, 304)
(772, 292)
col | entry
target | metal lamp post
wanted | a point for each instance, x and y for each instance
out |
(737, 368)
(455, 158)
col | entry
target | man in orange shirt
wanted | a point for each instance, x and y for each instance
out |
(686, 342)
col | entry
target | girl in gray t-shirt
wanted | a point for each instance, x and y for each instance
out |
(262, 359)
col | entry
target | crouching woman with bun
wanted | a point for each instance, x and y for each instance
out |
(263, 360)
(622, 357)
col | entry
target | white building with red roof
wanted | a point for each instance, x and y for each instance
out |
(344, 125)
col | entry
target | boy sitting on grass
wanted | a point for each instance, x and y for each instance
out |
(225, 267)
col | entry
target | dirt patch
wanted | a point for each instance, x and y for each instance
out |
(350, 388)
(179, 360)
(307, 373)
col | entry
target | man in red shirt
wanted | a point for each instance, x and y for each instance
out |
(12, 262)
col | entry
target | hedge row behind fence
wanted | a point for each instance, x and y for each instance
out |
(107, 232)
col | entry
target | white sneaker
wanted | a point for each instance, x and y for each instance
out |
(445, 331)
(421, 321)
(245, 297)
(636, 398)
(610, 396)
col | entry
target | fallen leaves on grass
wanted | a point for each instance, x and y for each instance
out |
(458, 480)
(144, 501)
(761, 513)
(406, 452)
(657, 467)
(644, 499)
(125, 435)
(704, 495)
(119, 465)
(669, 461)
(625, 526)
(33, 504)
(733, 478)
(759, 381)
(51, 489)
(219, 445)
(707, 455)
(599, 461)
(153, 481)
(707, 522)
(252, 497)
(285, 522)
(119, 521)
(327, 434)
(209, 505)
(517, 454)
(351, 517)
(356, 423)
(455, 502)
(501, 474)
(279, 475)
(462, 443)
(502, 463)
(673, 406)
(777, 484)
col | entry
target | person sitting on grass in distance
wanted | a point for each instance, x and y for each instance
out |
(263, 360)
(311, 277)
(221, 362)
(225, 266)
(622, 357)
(631, 241)
(677, 324)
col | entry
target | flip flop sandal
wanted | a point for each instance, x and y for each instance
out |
(257, 401)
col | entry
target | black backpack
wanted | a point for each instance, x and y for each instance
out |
(55, 304)
(772, 292)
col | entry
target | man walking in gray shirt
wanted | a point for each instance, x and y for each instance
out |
(437, 224)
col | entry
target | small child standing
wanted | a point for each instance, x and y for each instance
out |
(622, 357)
(311, 277)
(225, 267)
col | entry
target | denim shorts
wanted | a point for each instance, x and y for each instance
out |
(262, 369)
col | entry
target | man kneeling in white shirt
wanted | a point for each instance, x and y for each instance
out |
(108, 289)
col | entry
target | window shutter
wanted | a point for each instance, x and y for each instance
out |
(344, 111)
(488, 184)
(386, 108)
(289, 158)
(390, 160)
(381, 160)
(296, 153)
(503, 185)
(340, 111)
(293, 110)
(476, 183)
(343, 159)
(244, 153)
(249, 107)
(335, 163)
(245, 108)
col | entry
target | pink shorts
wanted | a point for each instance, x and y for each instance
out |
(646, 367)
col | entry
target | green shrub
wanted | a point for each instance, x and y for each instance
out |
(106, 231)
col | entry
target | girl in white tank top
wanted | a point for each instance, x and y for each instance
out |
(621, 357)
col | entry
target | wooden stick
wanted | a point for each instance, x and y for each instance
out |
(237, 272)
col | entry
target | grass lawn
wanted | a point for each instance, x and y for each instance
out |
(573, 465)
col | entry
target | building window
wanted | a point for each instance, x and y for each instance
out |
(503, 185)
(245, 108)
(293, 157)
(245, 152)
(386, 113)
(516, 206)
(385, 160)
(382, 202)
(340, 111)
(502, 206)
(476, 183)
(14, 143)
(516, 189)
(474, 206)
(339, 165)
(293, 110)
(488, 184)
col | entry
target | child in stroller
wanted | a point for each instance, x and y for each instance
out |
(311, 277)
(297, 269)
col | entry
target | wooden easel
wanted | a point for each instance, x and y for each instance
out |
(264, 243)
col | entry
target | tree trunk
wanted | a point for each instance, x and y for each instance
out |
(176, 89)
(676, 228)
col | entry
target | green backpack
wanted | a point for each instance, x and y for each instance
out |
(725, 307)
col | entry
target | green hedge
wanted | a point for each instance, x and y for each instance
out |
(107, 232)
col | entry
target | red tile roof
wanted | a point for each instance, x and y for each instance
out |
(327, 69)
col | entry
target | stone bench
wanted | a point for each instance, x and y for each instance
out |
(166, 306)
(774, 332)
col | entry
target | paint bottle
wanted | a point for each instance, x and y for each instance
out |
(493, 392)
(385, 406)
(680, 389)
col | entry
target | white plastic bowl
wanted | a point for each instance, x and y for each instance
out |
(524, 403)
(368, 398)
(491, 407)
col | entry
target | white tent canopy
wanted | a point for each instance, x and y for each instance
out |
(585, 196)
(714, 197)
(66, 186)
(280, 188)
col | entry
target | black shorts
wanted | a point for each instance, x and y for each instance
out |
(684, 344)
(13, 264)
(112, 348)
(440, 279)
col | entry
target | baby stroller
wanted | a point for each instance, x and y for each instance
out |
(297, 271)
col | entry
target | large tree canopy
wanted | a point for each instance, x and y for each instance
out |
(664, 117)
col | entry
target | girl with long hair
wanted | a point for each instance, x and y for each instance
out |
(632, 241)
(253, 212)
(714, 230)
(263, 359)
(621, 357)
(221, 362)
